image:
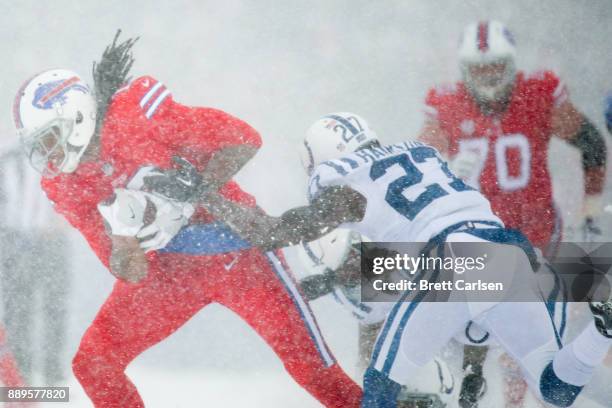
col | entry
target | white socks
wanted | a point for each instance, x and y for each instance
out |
(574, 363)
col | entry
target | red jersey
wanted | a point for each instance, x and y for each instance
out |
(144, 126)
(512, 146)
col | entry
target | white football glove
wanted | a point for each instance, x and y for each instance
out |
(465, 165)
(124, 215)
(170, 217)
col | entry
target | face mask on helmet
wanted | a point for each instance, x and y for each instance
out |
(333, 136)
(486, 55)
(55, 117)
(490, 81)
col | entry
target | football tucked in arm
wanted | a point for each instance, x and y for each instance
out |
(152, 219)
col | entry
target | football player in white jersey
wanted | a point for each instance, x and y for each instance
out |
(405, 193)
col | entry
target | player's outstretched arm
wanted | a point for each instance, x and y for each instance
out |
(225, 163)
(334, 206)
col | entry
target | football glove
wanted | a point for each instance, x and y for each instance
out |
(170, 217)
(128, 213)
(124, 212)
(464, 165)
(591, 209)
(181, 183)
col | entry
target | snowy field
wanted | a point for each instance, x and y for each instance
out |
(280, 65)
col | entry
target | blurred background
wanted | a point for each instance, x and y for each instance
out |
(279, 66)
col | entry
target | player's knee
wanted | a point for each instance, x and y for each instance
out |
(303, 372)
(80, 365)
(307, 373)
(87, 364)
(556, 391)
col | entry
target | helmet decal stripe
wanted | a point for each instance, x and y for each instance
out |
(58, 89)
(347, 124)
(483, 34)
(17, 102)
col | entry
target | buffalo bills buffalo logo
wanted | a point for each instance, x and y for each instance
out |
(50, 93)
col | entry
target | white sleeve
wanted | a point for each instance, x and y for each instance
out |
(326, 174)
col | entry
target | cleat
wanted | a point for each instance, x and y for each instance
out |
(602, 313)
(473, 388)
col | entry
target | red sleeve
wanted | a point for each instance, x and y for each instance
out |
(432, 102)
(232, 191)
(95, 234)
(146, 113)
(437, 101)
(81, 211)
(549, 86)
(206, 130)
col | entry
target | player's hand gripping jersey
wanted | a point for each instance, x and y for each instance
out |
(411, 194)
(512, 168)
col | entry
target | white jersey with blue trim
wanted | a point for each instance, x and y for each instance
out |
(411, 194)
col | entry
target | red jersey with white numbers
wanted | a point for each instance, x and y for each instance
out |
(144, 126)
(512, 147)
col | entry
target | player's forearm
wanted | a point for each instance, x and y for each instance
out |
(261, 230)
(593, 150)
(250, 223)
(224, 164)
(127, 260)
(594, 180)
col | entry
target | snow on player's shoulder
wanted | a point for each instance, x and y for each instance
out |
(445, 89)
(539, 75)
(546, 82)
(438, 97)
(542, 77)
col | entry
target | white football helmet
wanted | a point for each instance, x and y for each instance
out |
(487, 58)
(55, 116)
(333, 136)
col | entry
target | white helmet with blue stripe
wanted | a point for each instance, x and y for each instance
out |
(334, 135)
(55, 117)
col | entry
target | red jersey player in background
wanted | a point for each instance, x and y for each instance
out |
(495, 126)
(87, 168)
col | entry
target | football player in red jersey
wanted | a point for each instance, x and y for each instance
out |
(87, 168)
(495, 126)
